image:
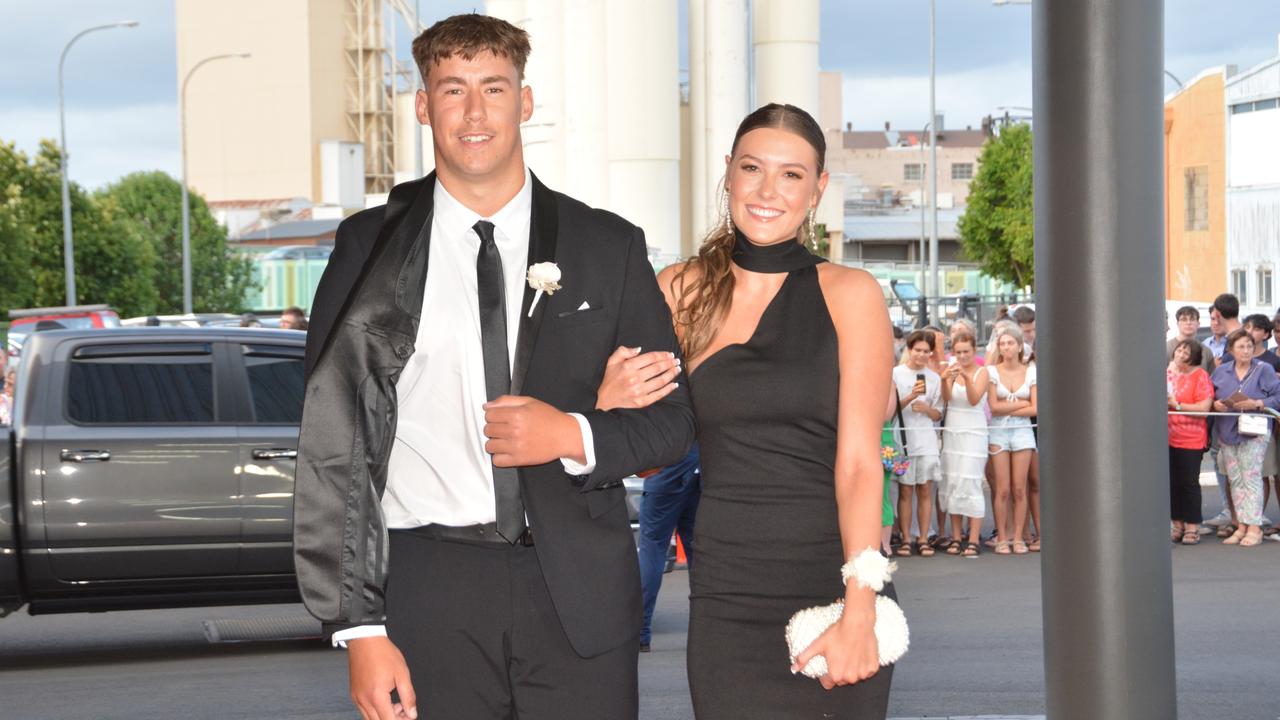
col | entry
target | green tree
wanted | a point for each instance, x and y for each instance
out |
(149, 205)
(997, 228)
(112, 265)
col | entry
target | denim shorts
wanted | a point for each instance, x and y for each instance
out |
(1011, 438)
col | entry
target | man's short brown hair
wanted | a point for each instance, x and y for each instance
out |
(468, 36)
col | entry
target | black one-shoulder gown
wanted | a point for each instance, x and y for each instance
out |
(768, 537)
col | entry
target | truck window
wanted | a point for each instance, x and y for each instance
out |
(137, 389)
(275, 383)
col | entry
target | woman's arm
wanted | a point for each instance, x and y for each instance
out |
(1030, 409)
(856, 304)
(976, 387)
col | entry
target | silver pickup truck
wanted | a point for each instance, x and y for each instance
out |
(151, 467)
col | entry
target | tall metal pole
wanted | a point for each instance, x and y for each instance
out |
(924, 285)
(1099, 228)
(186, 200)
(935, 290)
(68, 248)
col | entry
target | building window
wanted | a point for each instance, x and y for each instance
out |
(1255, 106)
(1239, 283)
(1197, 198)
(911, 172)
(1264, 286)
(961, 171)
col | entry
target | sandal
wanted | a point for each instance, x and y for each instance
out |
(970, 550)
(1002, 547)
(1236, 538)
(925, 549)
(1251, 540)
(1226, 530)
(904, 550)
(1191, 538)
(955, 547)
(1273, 530)
(940, 542)
(1019, 548)
(1034, 546)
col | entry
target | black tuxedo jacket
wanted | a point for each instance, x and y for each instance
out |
(364, 323)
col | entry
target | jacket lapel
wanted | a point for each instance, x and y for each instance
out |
(543, 227)
(405, 203)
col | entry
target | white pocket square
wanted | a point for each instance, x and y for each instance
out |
(584, 306)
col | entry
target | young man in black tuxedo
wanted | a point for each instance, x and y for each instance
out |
(459, 518)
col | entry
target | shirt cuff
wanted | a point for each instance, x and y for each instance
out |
(588, 449)
(341, 637)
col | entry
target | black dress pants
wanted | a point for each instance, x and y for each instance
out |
(483, 642)
(1184, 485)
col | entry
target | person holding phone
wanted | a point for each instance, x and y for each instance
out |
(919, 388)
(1246, 385)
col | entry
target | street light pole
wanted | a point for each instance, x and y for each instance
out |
(68, 255)
(934, 290)
(924, 285)
(186, 201)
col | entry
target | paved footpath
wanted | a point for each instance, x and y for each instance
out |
(976, 643)
(975, 651)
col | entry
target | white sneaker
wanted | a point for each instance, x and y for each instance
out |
(1222, 518)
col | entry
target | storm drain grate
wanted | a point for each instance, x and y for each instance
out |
(296, 627)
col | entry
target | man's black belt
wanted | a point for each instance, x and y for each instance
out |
(481, 533)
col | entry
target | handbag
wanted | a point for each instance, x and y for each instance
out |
(892, 634)
(1253, 425)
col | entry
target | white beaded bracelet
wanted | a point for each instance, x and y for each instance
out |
(871, 569)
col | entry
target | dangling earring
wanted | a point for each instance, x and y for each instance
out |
(813, 231)
(724, 208)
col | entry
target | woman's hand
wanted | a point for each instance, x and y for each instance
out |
(849, 647)
(632, 380)
(1219, 406)
(1173, 404)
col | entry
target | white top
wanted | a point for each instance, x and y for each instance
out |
(922, 435)
(1022, 393)
(439, 471)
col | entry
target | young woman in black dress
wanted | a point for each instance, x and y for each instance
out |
(789, 361)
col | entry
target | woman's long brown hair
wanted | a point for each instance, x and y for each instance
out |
(703, 295)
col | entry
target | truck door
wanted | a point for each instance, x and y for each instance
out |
(272, 375)
(139, 477)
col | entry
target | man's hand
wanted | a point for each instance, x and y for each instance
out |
(523, 431)
(377, 668)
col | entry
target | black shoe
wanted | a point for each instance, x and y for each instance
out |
(644, 647)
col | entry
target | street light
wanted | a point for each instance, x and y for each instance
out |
(186, 202)
(934, 289)
(69, 261)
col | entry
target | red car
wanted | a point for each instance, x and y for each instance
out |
(78, 317)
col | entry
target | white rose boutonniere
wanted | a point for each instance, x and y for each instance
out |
(544, 277)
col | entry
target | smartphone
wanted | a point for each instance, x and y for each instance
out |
(919, 377)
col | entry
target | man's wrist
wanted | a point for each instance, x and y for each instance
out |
(571, 439)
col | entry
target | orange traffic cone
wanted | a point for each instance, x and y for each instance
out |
(681, 558)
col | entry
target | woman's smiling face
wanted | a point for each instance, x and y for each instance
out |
(772, 180)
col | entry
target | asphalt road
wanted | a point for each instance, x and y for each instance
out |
(976, 650)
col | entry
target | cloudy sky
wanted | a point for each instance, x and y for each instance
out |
(121, 86)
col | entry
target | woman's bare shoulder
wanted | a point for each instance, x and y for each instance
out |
(848, 289)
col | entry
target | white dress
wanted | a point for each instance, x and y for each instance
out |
(964, 455)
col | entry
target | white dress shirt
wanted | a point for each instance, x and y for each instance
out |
(439, 471)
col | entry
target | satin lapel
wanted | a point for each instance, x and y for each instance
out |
(403, 199)
(543, 227)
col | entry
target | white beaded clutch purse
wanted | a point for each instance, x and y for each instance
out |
(892, 635)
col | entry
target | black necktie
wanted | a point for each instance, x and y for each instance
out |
(497, 371)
